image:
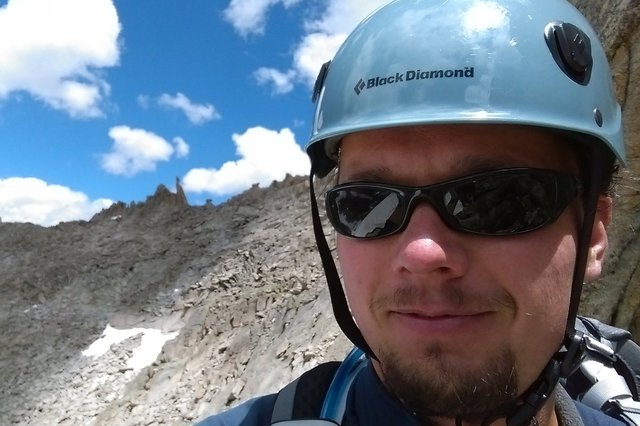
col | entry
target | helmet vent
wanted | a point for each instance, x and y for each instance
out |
(322, 75)
(571, 49)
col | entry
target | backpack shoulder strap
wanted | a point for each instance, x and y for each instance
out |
(303, 397)
(319, 396)
(628, 355)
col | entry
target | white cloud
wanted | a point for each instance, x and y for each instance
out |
(249, 16)
(33, 200)
(282, 82)
(138, 150)
(54, 50)
(322, 39)
(143, 101)
(314, 50)
(196, 113)
(341, 17)
(181, 147)
(265, 155)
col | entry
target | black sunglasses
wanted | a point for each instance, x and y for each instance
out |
(497, 202)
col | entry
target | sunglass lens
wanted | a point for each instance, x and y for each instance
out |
(365, 212)
(501, 204)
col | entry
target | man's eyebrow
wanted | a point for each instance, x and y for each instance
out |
(473, 164)
(466, 165)
(375, 174)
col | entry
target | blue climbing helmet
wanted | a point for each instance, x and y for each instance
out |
(418, 62)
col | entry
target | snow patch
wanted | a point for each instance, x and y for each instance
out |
(144, 355)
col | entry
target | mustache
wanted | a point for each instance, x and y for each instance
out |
(454, 295)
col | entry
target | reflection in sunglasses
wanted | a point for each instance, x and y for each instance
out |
(497, 202)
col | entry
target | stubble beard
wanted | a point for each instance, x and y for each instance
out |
(435, 383)
(434, 386)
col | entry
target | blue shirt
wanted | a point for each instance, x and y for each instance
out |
(370, 404)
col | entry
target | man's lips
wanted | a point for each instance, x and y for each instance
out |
(437, 322)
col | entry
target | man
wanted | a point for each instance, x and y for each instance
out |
(475, 143)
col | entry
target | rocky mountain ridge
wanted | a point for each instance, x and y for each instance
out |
(231, 279)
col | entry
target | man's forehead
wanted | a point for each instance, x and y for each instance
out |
(449, 151)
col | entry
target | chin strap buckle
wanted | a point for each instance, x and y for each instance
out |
(536, 395)
(575, 349)
(561, 366)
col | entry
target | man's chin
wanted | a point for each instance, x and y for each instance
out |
(436, 385)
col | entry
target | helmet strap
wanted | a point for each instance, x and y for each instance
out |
(596, 174)
(537, 394)
(338, 299)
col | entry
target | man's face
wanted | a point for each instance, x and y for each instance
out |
(461, 323)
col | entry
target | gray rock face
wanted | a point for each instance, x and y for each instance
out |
(240, 283)
(237, 287)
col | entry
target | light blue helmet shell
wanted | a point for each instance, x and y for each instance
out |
(420, 62)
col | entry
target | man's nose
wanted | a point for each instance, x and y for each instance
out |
(427, 245)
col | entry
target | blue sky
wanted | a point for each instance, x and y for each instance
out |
(103, 100)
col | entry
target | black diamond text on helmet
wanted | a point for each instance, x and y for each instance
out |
(412, 75)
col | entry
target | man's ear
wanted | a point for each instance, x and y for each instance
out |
(599, 239)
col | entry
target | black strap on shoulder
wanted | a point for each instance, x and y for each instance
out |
(628, 356)
(303, 398)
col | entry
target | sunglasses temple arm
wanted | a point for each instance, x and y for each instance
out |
(338, 299)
